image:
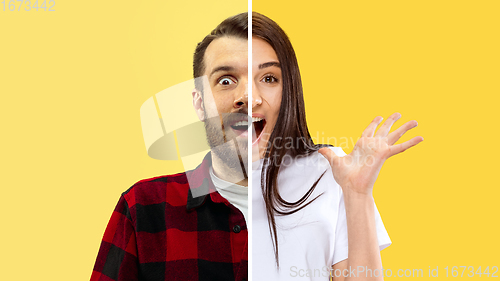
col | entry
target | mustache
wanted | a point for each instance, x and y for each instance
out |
(228, 119)
(221, 124)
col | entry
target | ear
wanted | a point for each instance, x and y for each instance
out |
(198, 105)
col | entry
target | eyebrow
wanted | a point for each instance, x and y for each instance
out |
(269, 64)
(221, 68)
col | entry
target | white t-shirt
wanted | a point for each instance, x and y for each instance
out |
(234, 193)
(312, 239)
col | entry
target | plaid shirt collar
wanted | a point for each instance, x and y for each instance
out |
(200, 178)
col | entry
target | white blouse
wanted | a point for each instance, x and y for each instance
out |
(312, 239)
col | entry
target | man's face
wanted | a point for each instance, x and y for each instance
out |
(267, 85)
(225, 99)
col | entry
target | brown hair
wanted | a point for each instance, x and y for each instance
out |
(291, 125)
(235, 26)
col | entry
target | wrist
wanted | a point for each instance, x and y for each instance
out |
(357, 192)
(358, 199)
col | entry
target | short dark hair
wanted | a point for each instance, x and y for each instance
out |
(235, 26)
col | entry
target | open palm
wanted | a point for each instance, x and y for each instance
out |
(358, 171)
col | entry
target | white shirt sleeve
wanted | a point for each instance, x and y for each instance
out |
(341, 246)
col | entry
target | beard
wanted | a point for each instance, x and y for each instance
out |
(223, 140)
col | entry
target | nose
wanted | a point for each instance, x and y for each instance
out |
(256, 96)
(242, 97)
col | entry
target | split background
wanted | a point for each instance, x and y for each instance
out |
(72, 82)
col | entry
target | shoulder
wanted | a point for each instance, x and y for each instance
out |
(171, 189)
(338, 150)
(321, 162)
(302, 172)
(312, 163)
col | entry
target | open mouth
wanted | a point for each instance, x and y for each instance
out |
(240, 127)
(258, 124)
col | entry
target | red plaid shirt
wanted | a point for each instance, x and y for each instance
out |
(158, 231)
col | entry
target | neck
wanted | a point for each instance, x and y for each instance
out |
(230, 174)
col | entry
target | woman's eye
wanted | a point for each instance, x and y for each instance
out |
(226, 81)
(270, 79)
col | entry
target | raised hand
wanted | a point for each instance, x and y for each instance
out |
(357, 171)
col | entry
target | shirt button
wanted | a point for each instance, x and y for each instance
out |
(237, 229)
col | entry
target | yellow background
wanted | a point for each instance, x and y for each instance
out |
(436, 62)
(72, 82)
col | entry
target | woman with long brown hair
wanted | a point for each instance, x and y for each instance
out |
(313, 210)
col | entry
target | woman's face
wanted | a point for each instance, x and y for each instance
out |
(267, 88)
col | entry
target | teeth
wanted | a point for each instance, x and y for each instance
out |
(256, 119)
(241, 123)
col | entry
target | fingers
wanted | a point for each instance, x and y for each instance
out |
(393, 137)
(370, 130)
(386, 127)
(395, 149)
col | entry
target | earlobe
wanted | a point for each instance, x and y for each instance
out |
(198, 104)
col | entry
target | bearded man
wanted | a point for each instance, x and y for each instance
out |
(192, 225)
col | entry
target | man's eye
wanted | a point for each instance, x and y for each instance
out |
(226, 81)
(269, 79)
